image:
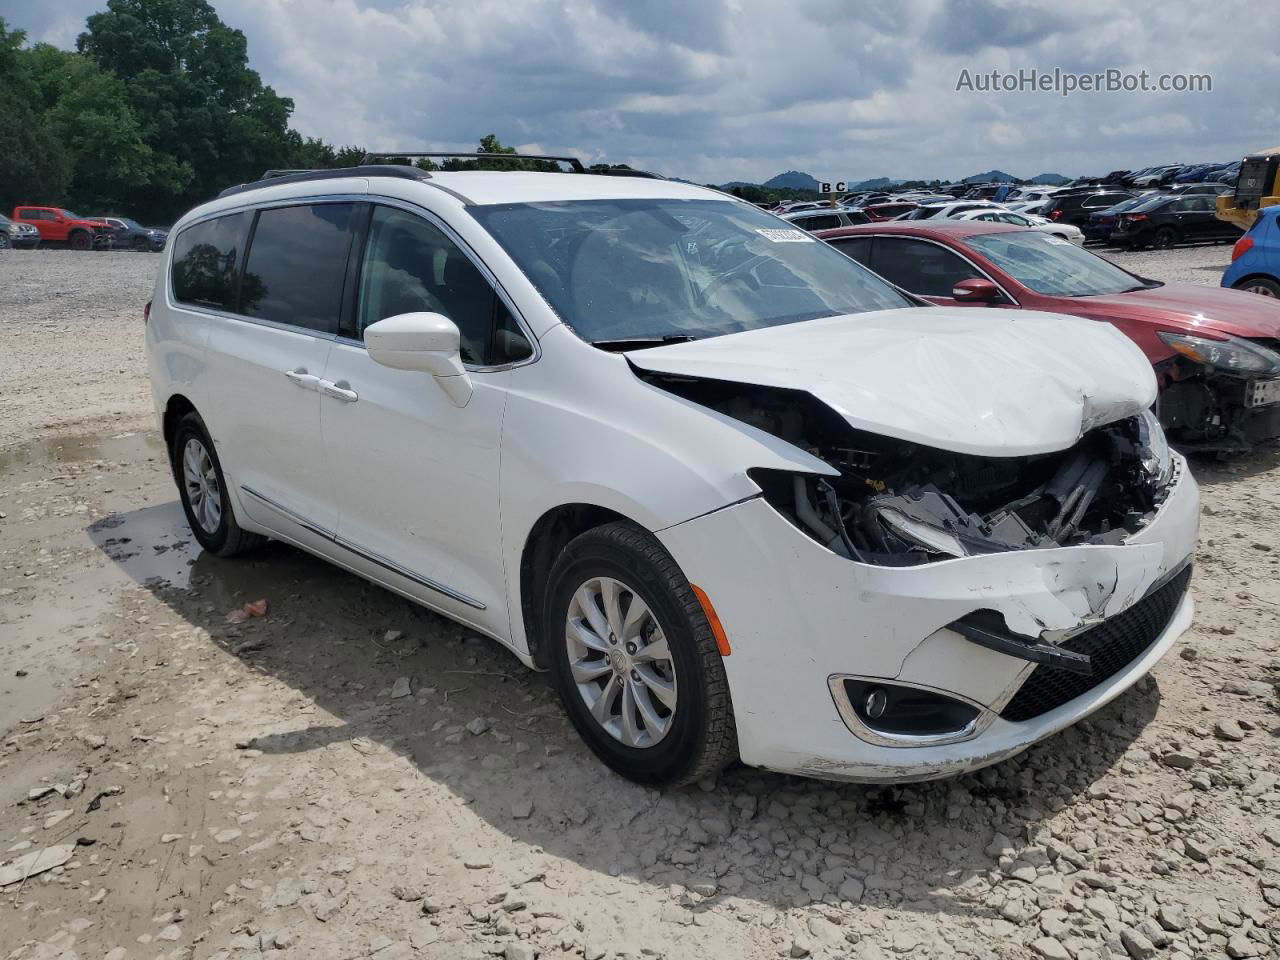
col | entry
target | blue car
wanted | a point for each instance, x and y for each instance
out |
(1255, 261)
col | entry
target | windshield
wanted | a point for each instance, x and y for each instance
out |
(655, 269)
(1053, 266)
(1152, 203)
(70, 216)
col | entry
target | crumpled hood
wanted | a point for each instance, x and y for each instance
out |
(992, 382)
(1192, 308)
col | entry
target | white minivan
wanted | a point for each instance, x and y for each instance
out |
(741, 497)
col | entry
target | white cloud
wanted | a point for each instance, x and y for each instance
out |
(742, 89)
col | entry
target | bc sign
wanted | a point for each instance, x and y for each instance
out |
(838, 187)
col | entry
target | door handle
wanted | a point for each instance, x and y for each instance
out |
(300, 377)
(339, 391)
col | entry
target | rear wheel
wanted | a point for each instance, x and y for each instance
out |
(634, 660)
(1263, 286)
(203, 491)
(80, 240)
(1164, 238)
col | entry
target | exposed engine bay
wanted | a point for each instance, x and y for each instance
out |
(897, 503)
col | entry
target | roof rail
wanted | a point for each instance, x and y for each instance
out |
(272, 177)
(573, 162)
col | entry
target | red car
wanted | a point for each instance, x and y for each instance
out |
(56, 225)
(1216, 352)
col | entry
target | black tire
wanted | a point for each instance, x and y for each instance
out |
(5, 243)
(1263, 286)
(141, 244)
(79, 240)
(1164, 238)
(702, 738)
(226, 539)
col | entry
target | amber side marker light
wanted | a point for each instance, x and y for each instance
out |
(717, 628)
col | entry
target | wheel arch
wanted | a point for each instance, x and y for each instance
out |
(1255, 275)
(545, 541)
(177, 407)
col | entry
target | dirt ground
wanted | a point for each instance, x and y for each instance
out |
(213, 790)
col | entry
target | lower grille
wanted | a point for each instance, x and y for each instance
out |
(1112, 644)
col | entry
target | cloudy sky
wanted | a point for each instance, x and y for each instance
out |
(718, 90)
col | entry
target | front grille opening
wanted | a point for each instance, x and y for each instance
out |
(1112, 645)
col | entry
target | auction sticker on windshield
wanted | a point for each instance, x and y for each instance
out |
(785, 236)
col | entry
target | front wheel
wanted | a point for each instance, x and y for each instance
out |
(80, 240)
(203, 490)
(1263, 286)
(634, 659)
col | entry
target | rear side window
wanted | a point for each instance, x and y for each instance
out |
(206, 261)
(297, 264)
(822, 222)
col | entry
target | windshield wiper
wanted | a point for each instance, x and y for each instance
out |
(640, 343)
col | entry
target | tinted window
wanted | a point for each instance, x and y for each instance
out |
(921, 267)
(818, 223)
(297, 263)
(857, 247)
(410, 266)
(206, 261)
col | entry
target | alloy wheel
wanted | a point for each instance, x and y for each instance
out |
(621, 662)
(1260, 289)
(200, 479)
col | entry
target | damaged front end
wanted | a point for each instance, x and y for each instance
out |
(897, 503)
(1220, 395)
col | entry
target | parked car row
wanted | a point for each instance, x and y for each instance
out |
(57, 226)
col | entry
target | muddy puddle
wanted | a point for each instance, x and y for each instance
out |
(50, 613)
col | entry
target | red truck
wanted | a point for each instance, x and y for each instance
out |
(56, 225)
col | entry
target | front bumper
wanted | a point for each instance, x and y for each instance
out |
(796, 616)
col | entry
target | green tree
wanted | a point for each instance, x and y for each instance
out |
(206, 116)
(33, 164)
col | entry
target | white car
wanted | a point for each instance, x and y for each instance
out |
(1064, 230)
(740, 496)
(944, 211)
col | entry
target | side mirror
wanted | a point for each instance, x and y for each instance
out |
(421, 341)
(976, 290)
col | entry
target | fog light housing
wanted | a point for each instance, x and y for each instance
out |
(895, 709)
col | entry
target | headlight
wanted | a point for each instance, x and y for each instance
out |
(1156, 458)
(1231, 355)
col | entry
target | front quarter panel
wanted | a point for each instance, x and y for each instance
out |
(582, 428)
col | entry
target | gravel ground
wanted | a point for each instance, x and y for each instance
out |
(71, 340)
(214, 790)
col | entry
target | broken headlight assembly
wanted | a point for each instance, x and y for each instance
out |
(1231, 355)
(901, 504)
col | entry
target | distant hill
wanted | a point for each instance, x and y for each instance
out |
(991, 176)
(792, 180)
(1051, 179)
(875, 183)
